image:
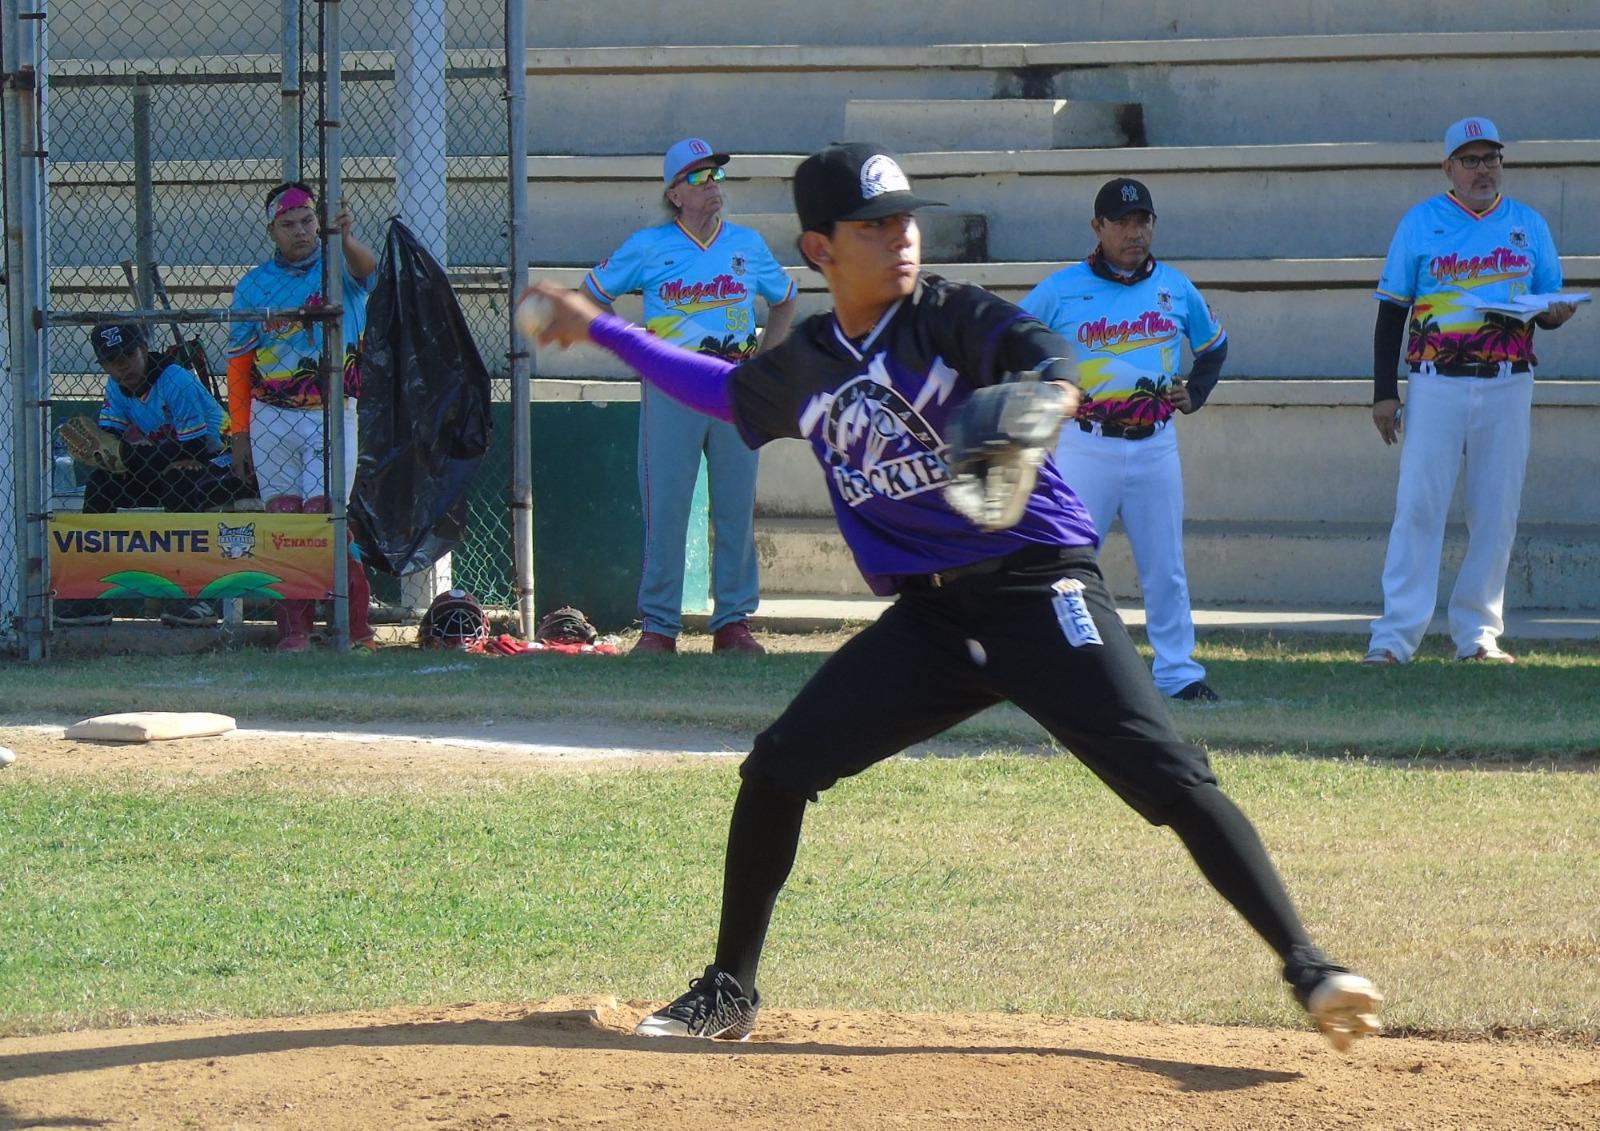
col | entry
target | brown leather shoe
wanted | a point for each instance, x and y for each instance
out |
(736, 637)
(653, 643)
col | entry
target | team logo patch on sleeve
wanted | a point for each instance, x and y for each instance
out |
(1072, 613)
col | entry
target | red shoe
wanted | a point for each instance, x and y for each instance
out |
(736, 637)
(654, 643)
(294, 625)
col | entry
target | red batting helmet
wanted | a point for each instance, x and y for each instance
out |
(454, 620)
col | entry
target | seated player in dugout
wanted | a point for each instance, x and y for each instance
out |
(275, 393)
(168, 430)
(984, 613)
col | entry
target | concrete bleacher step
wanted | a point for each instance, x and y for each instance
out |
(1258, 88)
(1285, 318)
(1328, 304)
(948, 236)
(1220, 91)
(919, 125)
(646, 22)
(1235, 202)
(1313, 564)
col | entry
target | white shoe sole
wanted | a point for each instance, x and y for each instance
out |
(1345, 1008)
(650, 1027)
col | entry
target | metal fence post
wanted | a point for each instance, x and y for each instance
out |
(24, 154)
(520, 354)
(333, 330)
(419, 171)
(144, 208)
(289, 91)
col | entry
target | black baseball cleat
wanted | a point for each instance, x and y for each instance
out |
(714, 1007)
(1198, 692)
(1343, 1005)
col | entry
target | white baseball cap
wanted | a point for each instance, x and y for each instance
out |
(1469, 129)
(689, 151)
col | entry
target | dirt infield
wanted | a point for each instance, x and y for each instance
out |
(574, 1063)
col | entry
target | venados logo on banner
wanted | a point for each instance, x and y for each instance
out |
(254, 556)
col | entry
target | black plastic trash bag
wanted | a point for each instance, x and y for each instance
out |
(423, 413)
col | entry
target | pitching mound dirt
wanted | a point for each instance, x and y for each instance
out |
(575, 1064)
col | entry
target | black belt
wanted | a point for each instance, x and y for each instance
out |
(1476, 369)
(1120, 431)
(1017, 559)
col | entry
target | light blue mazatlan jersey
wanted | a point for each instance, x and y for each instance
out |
(287, 350)
(1126, 338)
(176, 407)
(1444, 258)
(698, 296)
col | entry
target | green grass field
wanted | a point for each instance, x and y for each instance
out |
(1301, 694)
(1461, 880)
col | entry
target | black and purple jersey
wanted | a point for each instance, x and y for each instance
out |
(875, 412)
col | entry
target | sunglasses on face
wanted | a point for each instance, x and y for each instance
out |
(1482, 161)
(701, 176)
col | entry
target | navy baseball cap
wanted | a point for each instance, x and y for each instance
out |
(113, 339)
(689, 151)
(1119, 197)
(852, 180)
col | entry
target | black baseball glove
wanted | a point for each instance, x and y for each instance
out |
(565, 625)
(996, 442)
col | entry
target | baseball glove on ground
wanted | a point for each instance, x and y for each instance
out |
(565, 626)
(997, 440)
(88, 443)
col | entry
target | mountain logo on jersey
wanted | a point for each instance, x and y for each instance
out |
(878, 443)
(1105, 336)
(692, 298)
(1476, 270)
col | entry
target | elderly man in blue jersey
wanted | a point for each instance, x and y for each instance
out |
(170, 433)
(700, 278)
(1470, 379)
(1126, 317)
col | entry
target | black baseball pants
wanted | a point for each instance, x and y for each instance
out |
(1043, 634)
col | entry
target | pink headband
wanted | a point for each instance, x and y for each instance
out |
(287, 201)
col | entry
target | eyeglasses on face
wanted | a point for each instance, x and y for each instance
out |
(701, 176)
(1479, 161)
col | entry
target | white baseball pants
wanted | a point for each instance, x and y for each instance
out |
(1142, 481)
(287, 445)
(1489, 420)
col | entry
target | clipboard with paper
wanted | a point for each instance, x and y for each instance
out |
(1523, 307)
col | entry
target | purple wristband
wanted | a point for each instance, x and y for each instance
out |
(694, 379)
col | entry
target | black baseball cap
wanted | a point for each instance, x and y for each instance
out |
(113, 339)
(852, 180)
(1119, 197)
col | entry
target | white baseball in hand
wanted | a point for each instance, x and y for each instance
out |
(534, 314)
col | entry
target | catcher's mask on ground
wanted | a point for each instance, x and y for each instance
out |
(454, 620)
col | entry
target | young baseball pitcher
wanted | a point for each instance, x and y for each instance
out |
(997, 599)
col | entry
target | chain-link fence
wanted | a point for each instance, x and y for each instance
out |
(170, 125)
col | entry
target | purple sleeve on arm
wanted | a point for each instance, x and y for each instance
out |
(694, 379)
